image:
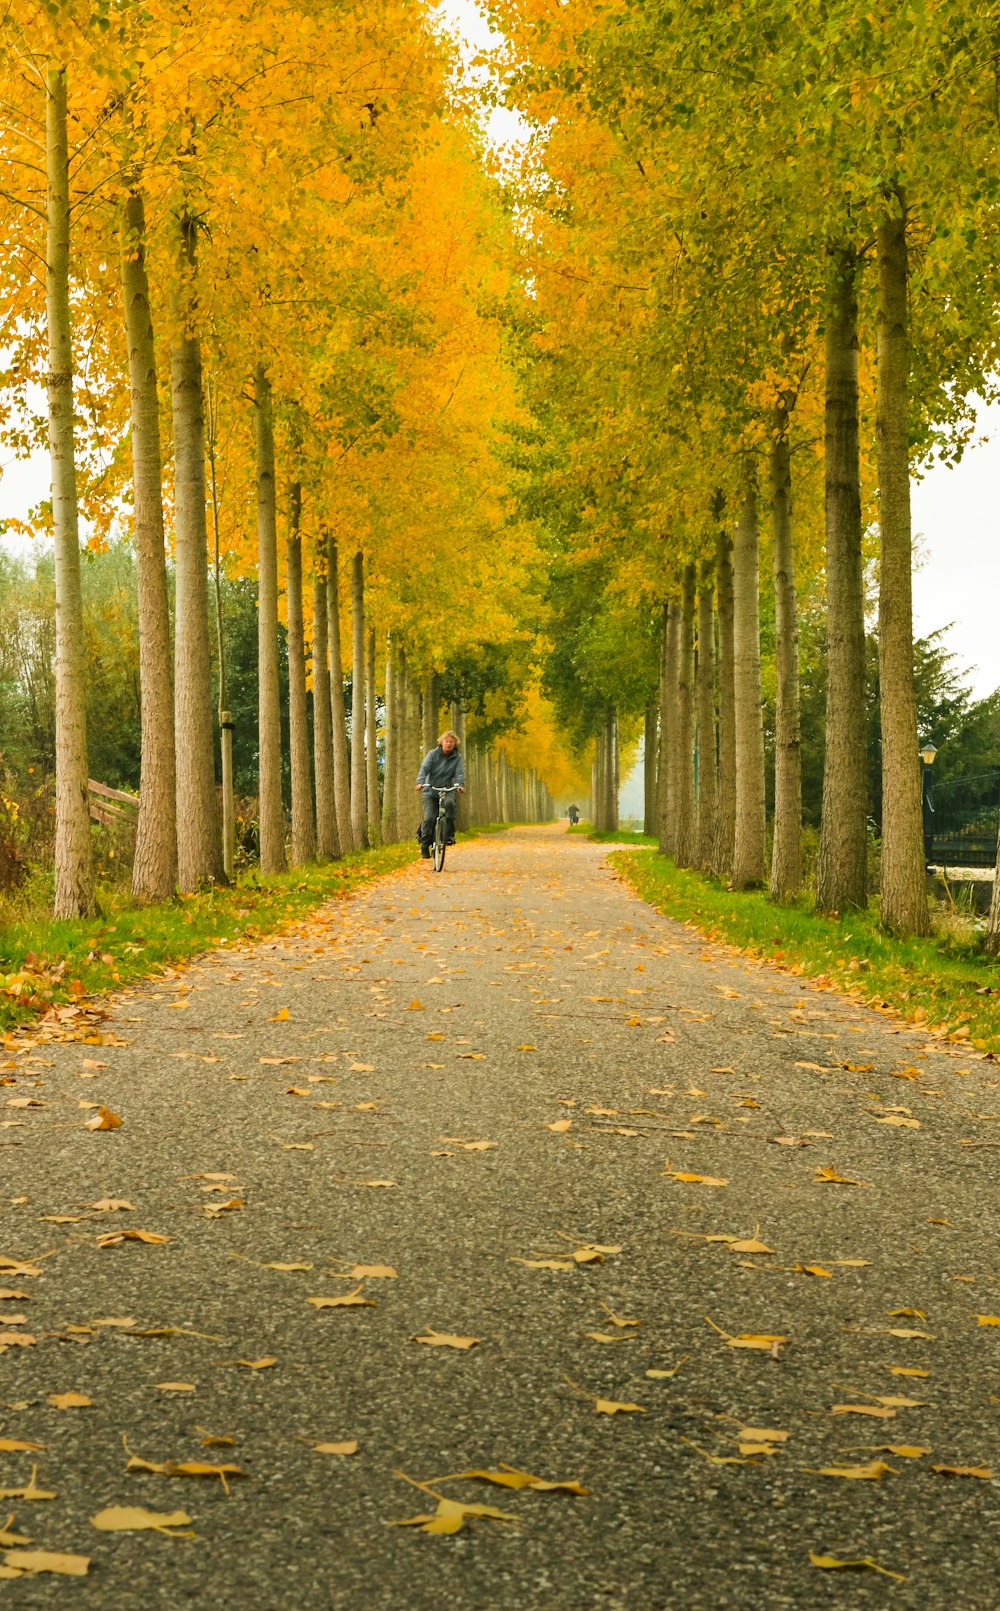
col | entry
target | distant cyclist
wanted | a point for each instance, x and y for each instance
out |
(574, 815)
(441, 768)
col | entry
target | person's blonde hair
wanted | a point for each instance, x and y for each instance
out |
(448, 734)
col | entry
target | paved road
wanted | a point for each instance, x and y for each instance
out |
(524, 999)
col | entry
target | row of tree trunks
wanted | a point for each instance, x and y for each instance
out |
(605, 779)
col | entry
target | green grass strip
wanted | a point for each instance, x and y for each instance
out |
(957, 993)
(621, 836)
(43, 961)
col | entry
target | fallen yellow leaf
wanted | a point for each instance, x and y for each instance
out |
(872, 1472)
(134, 1519)
(985, 1472)
(280, 1017)
(860, 1563)
(32, 1561)
(445, 1339)
(103, 1119)
(350, 1446)
(70, 1401)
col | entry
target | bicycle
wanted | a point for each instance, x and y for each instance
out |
(439, 843)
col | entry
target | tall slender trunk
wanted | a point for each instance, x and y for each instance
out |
(458, 723)
(841, 880)
(371, 746)
(726, 808)
(327, 838)
(199, 841)
(359, 779)
(74, 892)
(904, 887)
(431, 703)
(707, 755)
(684, 820)
(303, 830)
(338, 715)
(271, 815)
(671, 736)
(651, 733)
(226, 724)
(749, 842)
(154, 869)
(663, 739)
(786, 853)
(389, 784)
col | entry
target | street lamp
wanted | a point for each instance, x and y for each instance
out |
(927, 754)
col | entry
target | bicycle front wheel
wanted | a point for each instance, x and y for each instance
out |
(438, 851)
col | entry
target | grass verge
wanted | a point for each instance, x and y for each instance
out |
(43, 961)
(621, 836)
(954, 995)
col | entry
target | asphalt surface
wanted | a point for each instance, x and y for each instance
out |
(523, 989)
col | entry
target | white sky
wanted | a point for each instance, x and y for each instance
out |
(956, 512)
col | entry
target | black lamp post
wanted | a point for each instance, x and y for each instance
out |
(927, 754)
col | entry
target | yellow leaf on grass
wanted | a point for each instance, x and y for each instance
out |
(510, 1477)
(860, 1563)
(32, 1561)
(872, 1472)
(135, 1519)
(103, 1119)
(985, 1472)
(445, 1339)
(350, 1446)
(70, 1401)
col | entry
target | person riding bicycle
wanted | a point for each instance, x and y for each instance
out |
(441, 768)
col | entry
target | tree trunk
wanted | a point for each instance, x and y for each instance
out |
(74, 891)
(684, 820)
(154, 870)
(371, 747)
(390, 787)
(303, 831)
(668, 733)
(651, 733)
(338, 715)
(786, 853)
(841, 863)
(270, 813)
(327, 838)
(904, 888)
(725, 821)
(405, 781)
(462, 808)
(430, 713)
(359, 781)
(749, 843)
(707, 758)
(199, 842)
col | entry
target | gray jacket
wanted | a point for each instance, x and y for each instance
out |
(440, 771)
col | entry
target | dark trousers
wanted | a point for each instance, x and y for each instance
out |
(430, 816)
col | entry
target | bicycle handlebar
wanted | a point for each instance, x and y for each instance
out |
(442, 788)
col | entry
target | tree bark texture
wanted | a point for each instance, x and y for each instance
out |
(904, 885)
(725, 820)
(841, 878)
(359, 779)
(371, 746)
(786, 853)
(663, 737)
(303, 829)
(338, 714)
(669, 723)
(683, 746)
(650, 741)
(154, 869)
(459, 725)
(327, 838)
(270, 812)
(389, 785)
(405, 782)
(431, 705)
(707, 754)
(74, 883)
(749, 841)
(199, 840)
